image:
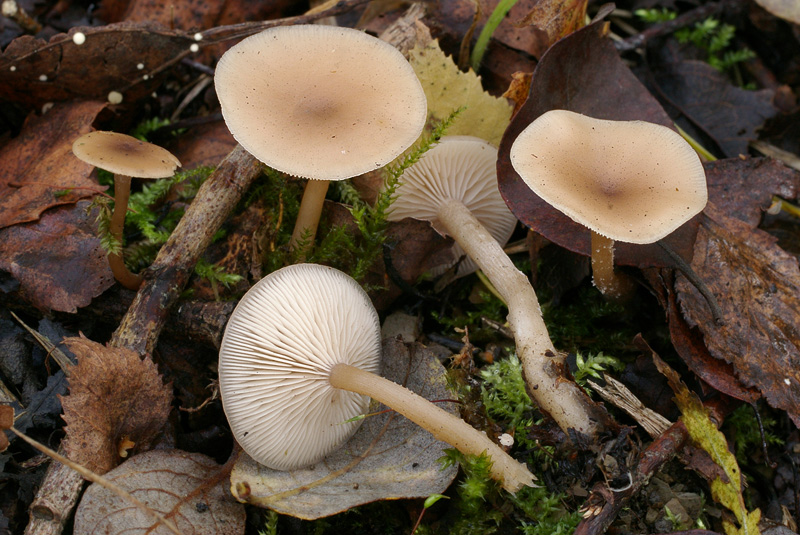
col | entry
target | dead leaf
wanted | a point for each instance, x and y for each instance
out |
(114, 395)
(58, 260)
(756, 285)
(727, 114)
(207, 144)
(169, 482)
(33, 71)
(554, 19)
(389, 457)
(583, 73)
(39, 170)
(447, 88)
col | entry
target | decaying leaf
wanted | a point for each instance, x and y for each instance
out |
(447, 88)
(179, 485)
(575, 74)
(115, 397)
(39, 170)
(554, 19)
(58, 260)
(704, 433)
(389, 457)
(728, 114)
(33, 71)
(756, 285)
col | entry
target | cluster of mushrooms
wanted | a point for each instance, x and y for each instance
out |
(301, 352)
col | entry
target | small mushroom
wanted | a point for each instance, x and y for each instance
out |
(319, 102)
(472, 177)
(126, 157)
(299, 357)
(442, 188)
(630, 181)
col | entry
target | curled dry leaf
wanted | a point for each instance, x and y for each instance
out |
(33, 71)
(583, 73)
(39, 171)
(756, 284)
(389, 457)
(115, 397)
(58, 260)
(177, 484)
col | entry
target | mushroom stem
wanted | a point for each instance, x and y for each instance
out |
(122, 191)
(305, 227)
(614, 286)
(542, 366)
(446, 427)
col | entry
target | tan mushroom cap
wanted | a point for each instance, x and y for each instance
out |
(125, 155)
(631, 181)
(320, 102)
(279, 346)
(461, 168)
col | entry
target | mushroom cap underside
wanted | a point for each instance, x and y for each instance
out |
(462, 168)
(631, 181)
(279, 346)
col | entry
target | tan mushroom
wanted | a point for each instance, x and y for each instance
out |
(299, 357)
(441, 187)
(126, 157)
(630, 181)
(319, 102)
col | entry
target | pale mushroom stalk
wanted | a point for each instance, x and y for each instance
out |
(305, 226)
(563, 400)
(441, 424)
(299, 358)
(615, 286)
(122, 191)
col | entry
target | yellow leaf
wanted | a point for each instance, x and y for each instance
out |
(448, 88)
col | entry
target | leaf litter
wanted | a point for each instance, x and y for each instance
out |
(389, 457)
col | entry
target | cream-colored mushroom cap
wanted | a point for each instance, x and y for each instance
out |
(125, 155)
(461, 168)
(631, 181)
(279, 346)
(320, 102)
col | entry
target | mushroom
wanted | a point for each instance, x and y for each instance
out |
(319, 102)
(630, 181)
(299, 357)
(475, 183)
(126, 157)
(435, 188)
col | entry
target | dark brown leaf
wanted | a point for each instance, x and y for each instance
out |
(389, 457)
(39, 170)
(170, 482)
(743, 188)
(33, 71)
(756, 285)
(58, 260)
(728, 114)
(583, 73)
(206, 144)
(114, 397)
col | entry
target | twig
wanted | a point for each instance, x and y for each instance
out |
(657, 30)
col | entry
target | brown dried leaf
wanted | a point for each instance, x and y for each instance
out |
(554, 19)
(756, 285)
(583, 73)
(207, 144)
(33, 71)
(728, 114)
(58, 260)
(38, 165)
(389, 457)
(169, 482)
(114, 396)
